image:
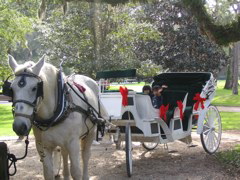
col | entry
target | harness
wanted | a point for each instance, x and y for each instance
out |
(65, 105)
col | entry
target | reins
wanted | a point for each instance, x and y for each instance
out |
(13, 159)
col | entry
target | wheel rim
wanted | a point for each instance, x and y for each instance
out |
(212, 129)
(130, 150)
(128, 142)
(150, 145)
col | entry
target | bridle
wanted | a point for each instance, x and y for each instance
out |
(7, 90)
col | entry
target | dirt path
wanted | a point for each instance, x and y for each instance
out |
(229, 108)
(107, 163)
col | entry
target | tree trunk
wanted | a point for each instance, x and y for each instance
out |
(96, 34)
(236, 56)
(229, 83)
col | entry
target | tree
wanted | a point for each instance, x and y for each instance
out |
(148, 70)
(221, 34)
(182, 47)
(91, 42)
(13, 27)
(236, 57)
(229, 76)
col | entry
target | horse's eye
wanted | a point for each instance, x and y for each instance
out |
(34, 89)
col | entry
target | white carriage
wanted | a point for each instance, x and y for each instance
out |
(140, 121)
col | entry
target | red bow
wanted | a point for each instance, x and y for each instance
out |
(180, 106)
(124, 93)
(163, 112)
(199, 101)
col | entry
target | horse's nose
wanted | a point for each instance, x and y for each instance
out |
(20, 128)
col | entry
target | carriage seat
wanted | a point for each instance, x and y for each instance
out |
(171, 97)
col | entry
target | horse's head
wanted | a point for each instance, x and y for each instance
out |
(26, 88)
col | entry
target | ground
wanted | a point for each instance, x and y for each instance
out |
(178, 162)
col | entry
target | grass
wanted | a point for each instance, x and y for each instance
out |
(224, 97)
(6, 120)
(230, 159)
(230, 120)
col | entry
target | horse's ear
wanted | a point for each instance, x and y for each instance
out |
(12, 62)
(37, 67)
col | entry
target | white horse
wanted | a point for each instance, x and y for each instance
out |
(77, 129)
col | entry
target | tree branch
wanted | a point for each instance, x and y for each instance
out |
(221, 34)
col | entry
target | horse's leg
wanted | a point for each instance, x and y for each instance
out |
(74, 155)
(57, 161)
(66, 172)
(86, 152)
(48, 164)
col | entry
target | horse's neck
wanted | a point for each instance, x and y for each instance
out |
(48, 104)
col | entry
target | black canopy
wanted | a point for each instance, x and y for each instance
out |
(182, 78)
(190, 83)
(117, 74)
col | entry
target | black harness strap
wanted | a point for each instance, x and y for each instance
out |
(92, 113)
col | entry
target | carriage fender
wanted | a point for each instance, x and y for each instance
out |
(202, 115)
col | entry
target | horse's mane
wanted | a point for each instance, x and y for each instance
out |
(20, 68)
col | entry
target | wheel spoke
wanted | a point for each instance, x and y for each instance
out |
(206, 126)
(206, 132)
(213, 141)
(207, 139)
(210, 141)
(215, 136)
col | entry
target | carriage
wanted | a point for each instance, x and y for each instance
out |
(186, 105)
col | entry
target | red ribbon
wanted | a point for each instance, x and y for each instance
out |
(124, 93)
(180, 106)
(199, 101)
(80, 87)
(163, 112)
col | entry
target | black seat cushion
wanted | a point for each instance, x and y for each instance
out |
(172, 96)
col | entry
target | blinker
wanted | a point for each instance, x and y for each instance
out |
(7, 90)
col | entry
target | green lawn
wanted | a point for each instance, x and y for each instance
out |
(6, 120)
(230, 120)
(224, 97)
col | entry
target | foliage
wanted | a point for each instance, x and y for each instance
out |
(182, 47)
(72, 37)
(221, 34)
(14, 25)
(148, 69)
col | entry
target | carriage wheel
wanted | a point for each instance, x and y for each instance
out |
(3, 161)
(212, 130)
(128, 149)
(150, 145)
